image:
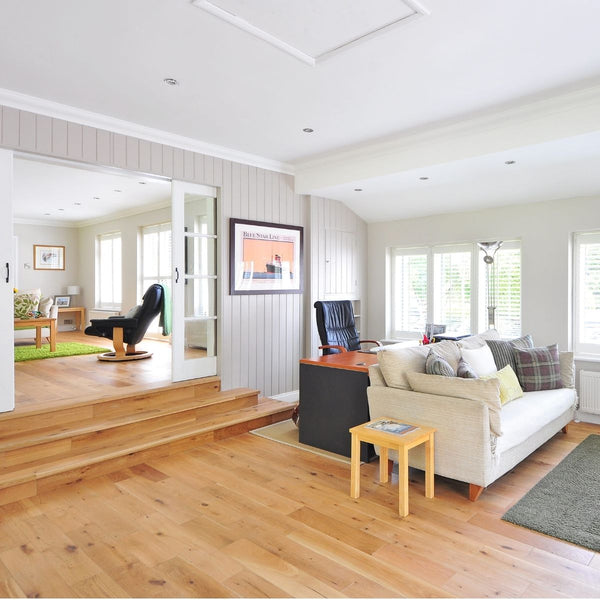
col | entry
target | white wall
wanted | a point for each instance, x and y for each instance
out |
(545, 230)
(52, 283)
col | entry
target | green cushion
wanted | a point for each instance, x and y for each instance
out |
(25, 304)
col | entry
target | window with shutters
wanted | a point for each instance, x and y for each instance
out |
(108, 271)
(586, 304)
(447, 285)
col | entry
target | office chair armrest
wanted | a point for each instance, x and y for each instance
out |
(112, 323)
(340, 348)
(370, 342)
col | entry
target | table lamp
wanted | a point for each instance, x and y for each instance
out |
(73, 290)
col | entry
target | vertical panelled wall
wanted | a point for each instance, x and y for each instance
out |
(338, 261)
(261, 340)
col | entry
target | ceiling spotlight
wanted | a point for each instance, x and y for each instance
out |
(170, 81)
(308, 130)
(61, 209)
(142, 182)
(46, 214)
(510, 162)
(358, 189)
(423, 178)
(118, 191)
(77, 203)
(96, 198)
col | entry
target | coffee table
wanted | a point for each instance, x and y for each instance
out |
(38, 324)
(393, 441)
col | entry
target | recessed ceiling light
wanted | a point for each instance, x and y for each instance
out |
(510, 162)
(46, 214)
(308, 130)
(170, 81)
(142, 182)
(118, 191)
(61, 209)
(423, 178)
(358, 189)
(77, 203)
(96, 198)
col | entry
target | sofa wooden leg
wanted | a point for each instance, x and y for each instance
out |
(475, 491)
(564, 429)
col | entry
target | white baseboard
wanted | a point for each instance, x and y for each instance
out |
(288, 396)
(587, 417)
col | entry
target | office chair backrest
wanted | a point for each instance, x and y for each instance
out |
(145, 313)
(335, 322)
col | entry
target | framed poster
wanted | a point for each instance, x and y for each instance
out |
(264, 258)
(62, 301)
(48, 258)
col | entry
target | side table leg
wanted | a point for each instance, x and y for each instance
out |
(403, 481)
(38, 337)
(383, 465)
(355, 467)
(429, 468)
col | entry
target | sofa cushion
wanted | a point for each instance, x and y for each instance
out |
(436, 365)
(480, 360)
(509, 384)
(567, 369)
(479, 340)
(480, 390)
(503, 350)
(465, 370)
(524, 417)
(538, 368)
(26, 302)
(394, 364)
(44, 306)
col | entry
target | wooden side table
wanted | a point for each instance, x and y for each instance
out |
(393, 441)
(79, 314)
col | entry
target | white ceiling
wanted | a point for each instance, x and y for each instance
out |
(239, 92)
(63, 195)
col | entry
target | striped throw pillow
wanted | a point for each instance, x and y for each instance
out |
(503, 350)
(436, 365)
(538, 368)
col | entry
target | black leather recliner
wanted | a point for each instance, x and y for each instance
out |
(129, 328)
(337, 328)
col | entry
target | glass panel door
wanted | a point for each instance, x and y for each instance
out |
(195, 278)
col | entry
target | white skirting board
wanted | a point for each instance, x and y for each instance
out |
(291, 397)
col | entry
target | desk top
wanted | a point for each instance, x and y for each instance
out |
(351, 361)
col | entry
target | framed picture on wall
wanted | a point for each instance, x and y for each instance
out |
(264, 258)
(48, 258)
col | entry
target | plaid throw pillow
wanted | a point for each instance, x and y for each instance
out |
(538, 368)
(503, 351)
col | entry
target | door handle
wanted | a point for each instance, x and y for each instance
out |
(7, 272)
(176, 275)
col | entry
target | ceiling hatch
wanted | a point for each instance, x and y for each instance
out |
(312, 30)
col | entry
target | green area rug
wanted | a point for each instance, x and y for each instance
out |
(63, 349)
(565, 504)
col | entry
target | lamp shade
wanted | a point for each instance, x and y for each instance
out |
(73, 290)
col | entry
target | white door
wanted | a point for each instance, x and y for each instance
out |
(195, 277)
(7, 367)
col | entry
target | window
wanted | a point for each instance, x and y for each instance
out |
(447, 285)
(108, 271)
(587, 293)
(156, 255)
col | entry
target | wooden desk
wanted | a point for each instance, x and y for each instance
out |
(333, 398)
(38, 324)
(79, 314)
(402, 443)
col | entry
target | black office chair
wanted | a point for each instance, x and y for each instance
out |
(337, 329)
(129, 328)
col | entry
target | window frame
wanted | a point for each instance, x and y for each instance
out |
(581, 349)
(98, 303)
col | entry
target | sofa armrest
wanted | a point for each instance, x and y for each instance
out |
(376, 376)
(53, 313)
(463, 444)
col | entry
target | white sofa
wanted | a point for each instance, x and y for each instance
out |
(465, 447)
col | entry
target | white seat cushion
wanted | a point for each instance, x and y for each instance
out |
(525, 416)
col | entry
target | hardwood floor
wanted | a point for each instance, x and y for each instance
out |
(249, 517)
(41, 382)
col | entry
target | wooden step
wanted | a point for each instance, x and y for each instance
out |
(123, 442)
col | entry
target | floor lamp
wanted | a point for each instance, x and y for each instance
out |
(489, 250)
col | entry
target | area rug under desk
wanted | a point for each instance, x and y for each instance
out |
(566, 503)
(285, 432)
(23, 353)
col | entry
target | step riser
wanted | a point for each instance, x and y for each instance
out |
(32, 488)
(76, 444)
(108, 409)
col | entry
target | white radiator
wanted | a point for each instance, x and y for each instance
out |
(589, 392)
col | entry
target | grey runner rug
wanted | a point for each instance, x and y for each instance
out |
(566, 503)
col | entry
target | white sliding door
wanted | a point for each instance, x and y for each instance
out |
(7, 267)
(195, 279)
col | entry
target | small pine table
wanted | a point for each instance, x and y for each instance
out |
(38, 324)
(393, 441)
